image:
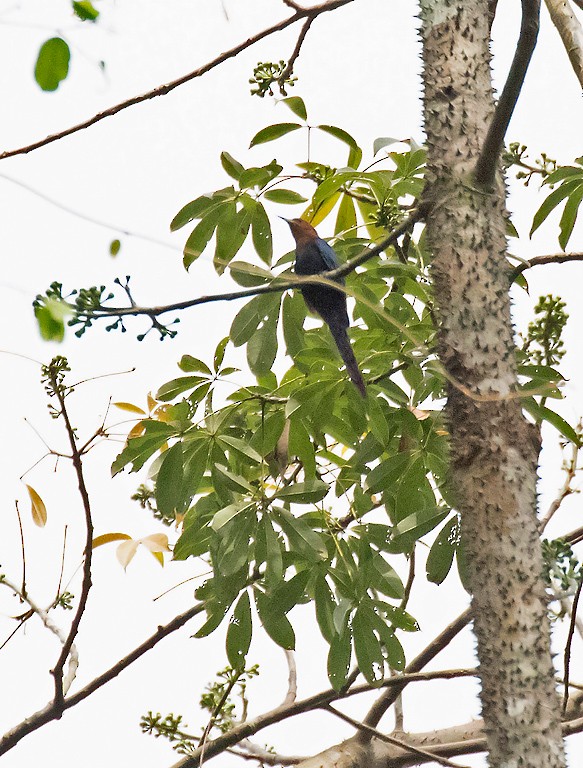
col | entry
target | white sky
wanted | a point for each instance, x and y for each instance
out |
(359, 69)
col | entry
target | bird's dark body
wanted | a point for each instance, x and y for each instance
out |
(313, 257)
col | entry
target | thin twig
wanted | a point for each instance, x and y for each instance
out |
(567, 655)
(410, 579)
(372, 732)
(51, 712)
(296, 51)
(570, 468)
(61, 685)
(487, 164)
(163, 90)
(553, 258)
(22, 549)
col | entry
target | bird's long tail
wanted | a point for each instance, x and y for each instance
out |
(343, 343)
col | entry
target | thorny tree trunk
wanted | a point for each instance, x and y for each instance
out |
(494, 450)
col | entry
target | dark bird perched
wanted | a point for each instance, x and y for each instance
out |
(313, 257)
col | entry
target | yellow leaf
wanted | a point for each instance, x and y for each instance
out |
(156, 542)
(137, 430)
(38, 509)
(152, 402)
(159, 557)
(161, 413)
(126, 551)
(419, 414)
(131, 408)
(316, 215)
(105, 538)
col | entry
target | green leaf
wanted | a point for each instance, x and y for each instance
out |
(262, 346)
(339, 659)
(297, 106)
(300, 445)
(551, 203)
(175, 387)
(190, 364)
(240, 447)
(169, 483)
(273, 552)
(85, 10)
(367, 647)
(541, 413)
(114, 247)
(231, 166)
(248, 319)
(219, 355)
(284, 196)
(231, 480)
(384, 476)
(293, 314)
(308, 492)
(383, 141)
(261, 234)
(200, 236)
(325, 607)
(339, 133)
(239, 632)
(440, 557)
(569, 216)
(249, 275)
(196, 531)
(302, 538)
(52, 64)
(289, 593)
(232, 230)
(277, 626)
(139, 449)
(273, 132)
(225, 515)
(196, 209)
(346, 218)
(50, 317)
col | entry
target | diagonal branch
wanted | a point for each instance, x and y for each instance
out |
(569, 28)
(163, 90)
(52, 712)
(488, 161)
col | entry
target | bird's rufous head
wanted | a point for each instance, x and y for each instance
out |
(301, 230)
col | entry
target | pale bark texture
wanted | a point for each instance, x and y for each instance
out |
(494, 449)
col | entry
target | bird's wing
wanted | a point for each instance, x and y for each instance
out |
(327, 253)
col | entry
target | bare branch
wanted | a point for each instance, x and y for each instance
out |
(571, 32)
(162, 90)
(487, 164)
(372, 732)
(553, 258)
(251, 751)
(292, 682)
(567, 489)
(567, 655)
(52, 712)
(62, 686)
(296, 51)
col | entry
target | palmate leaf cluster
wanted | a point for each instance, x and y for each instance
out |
(296, 489)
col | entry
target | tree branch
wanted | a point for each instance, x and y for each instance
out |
(373, 733)
(296, 51)
(488, 161)
(62, 686)
(277, 285)
(536, 261)
(52, 712)
(163, 90)
(569, 28)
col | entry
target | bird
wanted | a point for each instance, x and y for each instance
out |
(315, 256)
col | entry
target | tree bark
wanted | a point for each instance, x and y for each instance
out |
(494, 449)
